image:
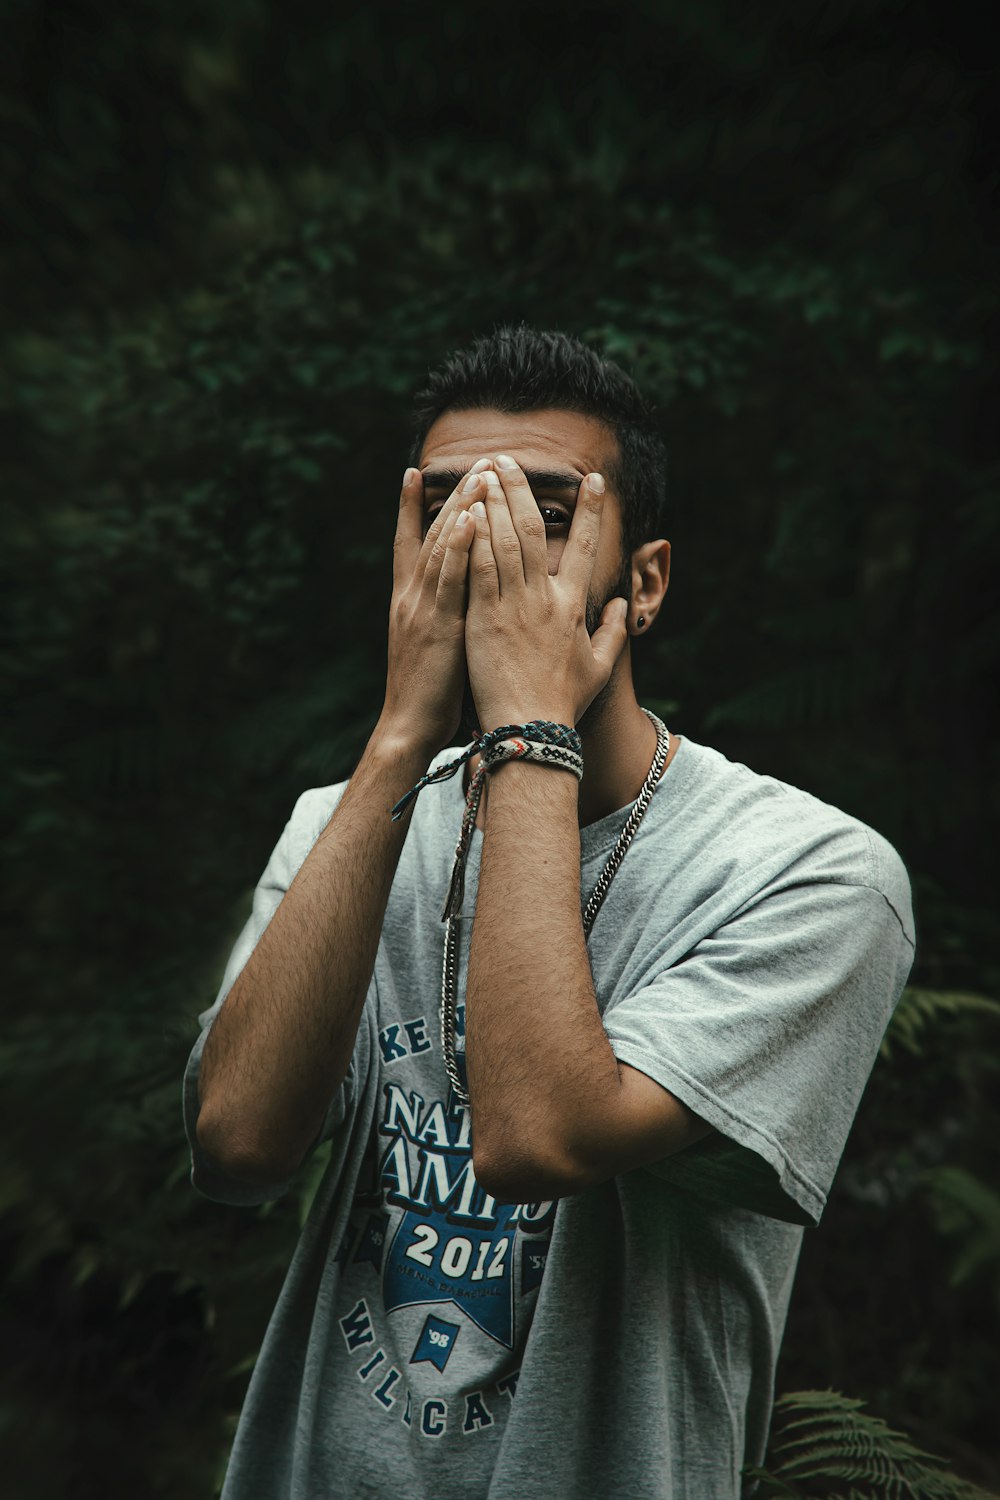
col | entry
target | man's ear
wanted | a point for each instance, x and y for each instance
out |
(650, 577)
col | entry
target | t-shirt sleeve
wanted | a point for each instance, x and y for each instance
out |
(768, 1029)
(310, 815)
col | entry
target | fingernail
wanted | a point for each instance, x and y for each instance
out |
(470, 484)
(462, 519)
(493, 480)
(597, 483)
(479, 466)
(410, 476)
(505, 461)
(478, 509)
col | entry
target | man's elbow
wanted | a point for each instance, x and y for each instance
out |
(537, 1173)
(238, 1155)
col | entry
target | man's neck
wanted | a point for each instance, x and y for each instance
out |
(618, 747)
(618, 751)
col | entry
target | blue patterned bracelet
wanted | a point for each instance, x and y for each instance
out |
(539, 732)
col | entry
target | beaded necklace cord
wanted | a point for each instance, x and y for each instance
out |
(517, 742)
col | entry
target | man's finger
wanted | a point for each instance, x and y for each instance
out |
(409, 528)
(434, 561)
(458, 497)
(608, 640)
(526, 518)
(504, 539)
(455, 568)
(483, 578)
(577, 562)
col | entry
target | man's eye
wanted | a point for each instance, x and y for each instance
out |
(552, 515)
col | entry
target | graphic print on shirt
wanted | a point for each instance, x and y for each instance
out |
(439, 1281)
(453, 1242)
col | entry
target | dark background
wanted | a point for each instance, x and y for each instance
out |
(240, 234)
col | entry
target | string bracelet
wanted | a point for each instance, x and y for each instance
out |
(544, 743)
(537, 732)
(542, 753)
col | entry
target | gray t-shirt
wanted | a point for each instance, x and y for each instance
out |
(430, 1344)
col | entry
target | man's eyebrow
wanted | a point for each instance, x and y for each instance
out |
(538, 479)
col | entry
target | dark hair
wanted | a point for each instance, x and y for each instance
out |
(519, 369)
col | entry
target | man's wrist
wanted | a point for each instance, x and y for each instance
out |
(547, 715)
(518, 777)
(400, 745)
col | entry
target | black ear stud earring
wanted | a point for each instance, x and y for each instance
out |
(640, 622)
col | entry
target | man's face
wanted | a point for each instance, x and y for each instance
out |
(556, 450)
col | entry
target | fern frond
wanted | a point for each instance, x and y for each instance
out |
(968, 1210)
(766, 1486)
(820, 1437)
(919, 1009)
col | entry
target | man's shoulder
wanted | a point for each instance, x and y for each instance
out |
(312, 811)
(771, 820)
(316, 806)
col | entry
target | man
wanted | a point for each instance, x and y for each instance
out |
(576, 1285)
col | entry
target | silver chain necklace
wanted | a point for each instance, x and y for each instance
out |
(449, 971)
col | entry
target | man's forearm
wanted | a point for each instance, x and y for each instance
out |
(539, 1062)
(282, 1042)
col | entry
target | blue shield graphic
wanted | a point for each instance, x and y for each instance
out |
(533, 1253)
(433, 1260)
(372, 1246)
(436, 1341)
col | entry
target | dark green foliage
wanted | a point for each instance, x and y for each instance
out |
(969, 1211)
(241, 237)
(825, 1444)
(919, 1010)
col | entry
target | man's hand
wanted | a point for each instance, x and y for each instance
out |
(423, 695)
(526, 640)
(554, 1111)
(283, 1040)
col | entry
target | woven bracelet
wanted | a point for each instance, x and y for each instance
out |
(538, 732)
(541, 753)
